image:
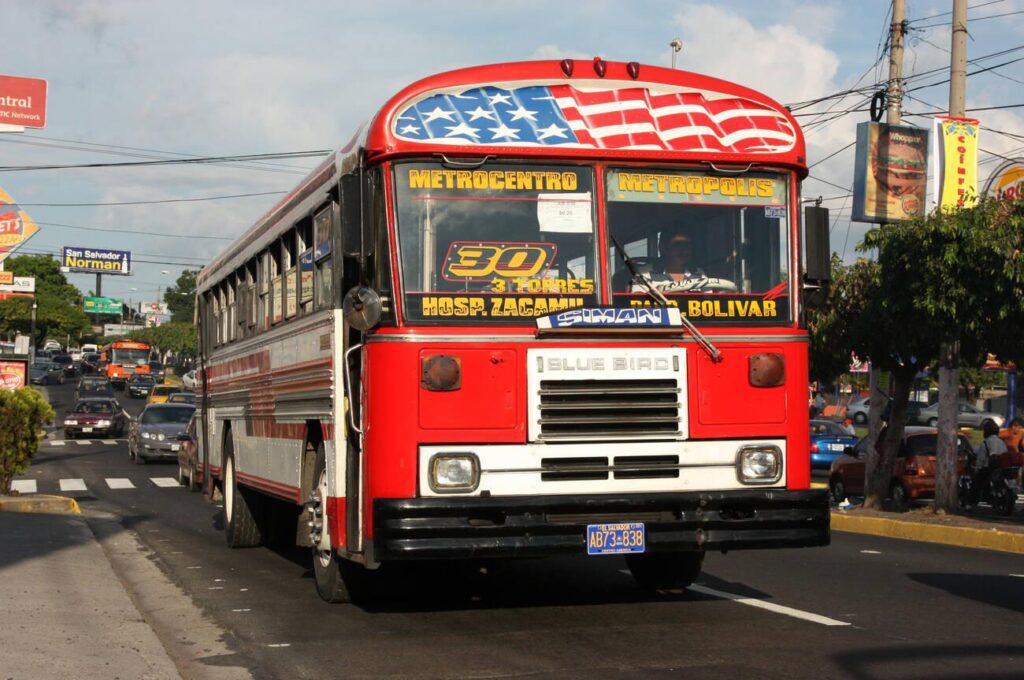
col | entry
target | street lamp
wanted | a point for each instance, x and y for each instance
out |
(676, 46)
(32, 333)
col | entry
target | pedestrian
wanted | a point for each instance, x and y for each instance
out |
(985, 458)
(819, 403)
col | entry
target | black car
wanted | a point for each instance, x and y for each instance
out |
(156, 369)
(140, 384)
(94, 387)
(66, 363)
(90, 362)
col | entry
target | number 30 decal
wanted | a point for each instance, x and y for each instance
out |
(479, 261)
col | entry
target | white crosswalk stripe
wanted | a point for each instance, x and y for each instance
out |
(57, 442)
(85, 442)
(24, 485)
(72, 485)
(164, 482)
(119, 483)
(109, 442)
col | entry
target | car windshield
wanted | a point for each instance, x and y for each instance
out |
(142, 378)
(94, 407)
(182, 398)
(715, 245)
(826, 428)
(501, 243)
(165, 416)
(62, 359)
(94, 387)
(42, 365)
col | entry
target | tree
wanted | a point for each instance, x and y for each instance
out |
(23, 413)
(181, 298)
(179, 338)
(59, 304)
(957, 278)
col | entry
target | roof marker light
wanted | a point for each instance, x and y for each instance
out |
(633, 69)
(600, 67)
(567, 66)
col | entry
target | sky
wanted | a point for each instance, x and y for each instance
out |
(141, 80)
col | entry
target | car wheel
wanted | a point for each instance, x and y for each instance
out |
(837, 489)
(240, 526)
(933, 422)
(193, 485)
(1004, 500)
(898, 496)
(665, 571)
(860, 418)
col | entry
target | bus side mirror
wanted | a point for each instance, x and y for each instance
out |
(351, 216)
(361, 308)
(818, 257)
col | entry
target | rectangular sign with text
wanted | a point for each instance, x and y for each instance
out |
(22, 101)
(99, 260)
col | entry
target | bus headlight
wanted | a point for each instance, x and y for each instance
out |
(759, 464)
(454, 473)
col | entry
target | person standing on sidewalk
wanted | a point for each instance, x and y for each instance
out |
(985, 458)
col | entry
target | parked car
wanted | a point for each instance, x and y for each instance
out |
(189, 380)
(159, 393)
(913, 473)
(828, 441)
(190, 468)
(181, 398)
(154, 435)
(140, 385)
(857, 410)
(45, 372)
(95, 416)
(94, 387)
(967, 416)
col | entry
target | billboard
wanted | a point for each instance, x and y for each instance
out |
(19, 284)
(890, 174)
(100, 305)
(98, 260)
(16, 226)
(956, 162)
(1007, 180)
(13, 374)
(22, 101)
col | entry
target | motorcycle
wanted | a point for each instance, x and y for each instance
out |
(1000, 491)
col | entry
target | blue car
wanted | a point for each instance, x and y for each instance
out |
(828, 439)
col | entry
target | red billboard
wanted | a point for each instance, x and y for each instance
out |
(22, 101)
(13, 375)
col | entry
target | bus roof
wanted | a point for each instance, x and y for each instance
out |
(554, 109)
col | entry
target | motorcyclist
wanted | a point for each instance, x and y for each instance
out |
(986, 458)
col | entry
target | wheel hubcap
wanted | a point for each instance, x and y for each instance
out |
(229, 488)
(317, 521)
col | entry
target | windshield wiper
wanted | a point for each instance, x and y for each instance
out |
(637, 277)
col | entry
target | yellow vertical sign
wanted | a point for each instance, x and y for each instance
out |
(16, 226)
(956, 167)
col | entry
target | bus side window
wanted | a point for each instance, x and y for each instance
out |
(323, 272)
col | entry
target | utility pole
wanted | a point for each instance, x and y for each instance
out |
(893, 99)
(949, 352)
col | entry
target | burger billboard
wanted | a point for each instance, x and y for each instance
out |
(891, 173)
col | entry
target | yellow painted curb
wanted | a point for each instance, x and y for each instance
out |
(965, 537)
(53, 505)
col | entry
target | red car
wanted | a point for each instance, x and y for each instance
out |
(95, 417)
(913, 473)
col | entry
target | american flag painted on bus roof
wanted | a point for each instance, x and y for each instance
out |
(626, 118)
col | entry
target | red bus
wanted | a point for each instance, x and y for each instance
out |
(471, 332)
(119, 360)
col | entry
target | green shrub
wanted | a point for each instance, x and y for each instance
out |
(22, 415)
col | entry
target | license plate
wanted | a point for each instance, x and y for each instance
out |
(175, 447)
(836, 447)
(614, 539)
(86, 429)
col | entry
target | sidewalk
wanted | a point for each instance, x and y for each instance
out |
(66, 612)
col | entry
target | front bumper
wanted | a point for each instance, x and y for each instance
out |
(167, 451)
(81, 429)
(441, 528)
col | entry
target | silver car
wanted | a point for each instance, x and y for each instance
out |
(966, 416)
(154, 434)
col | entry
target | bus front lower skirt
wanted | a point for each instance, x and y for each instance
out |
(536, 526)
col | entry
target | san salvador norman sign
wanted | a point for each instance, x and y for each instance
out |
(98, 260)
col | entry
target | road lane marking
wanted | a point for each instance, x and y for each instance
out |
(1017, 575)
(84, 442)
(769, 606)
(72, 485)
(164, 482)
(241, 610)
(57, 442)
(110, 442)
(24, 485)
(280, 644)
(870, 552)
(120, 483)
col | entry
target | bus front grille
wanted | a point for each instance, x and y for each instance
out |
(608, 409)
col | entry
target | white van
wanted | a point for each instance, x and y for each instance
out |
(90, 349)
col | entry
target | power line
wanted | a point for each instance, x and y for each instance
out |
(170, 161)
(990, 16)
(136, 231)
(834, 153)
(168, 200)
(944, 14)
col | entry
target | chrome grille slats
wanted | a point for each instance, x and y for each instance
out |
(608, 408)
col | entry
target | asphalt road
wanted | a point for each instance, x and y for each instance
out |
(865, 607)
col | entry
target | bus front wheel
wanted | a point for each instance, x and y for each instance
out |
(665, 571)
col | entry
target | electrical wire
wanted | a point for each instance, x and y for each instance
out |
(170, 161)
(136, 231)
(168, 200)
(990, 16)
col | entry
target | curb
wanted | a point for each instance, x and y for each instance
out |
(53, 505)
(964, 537)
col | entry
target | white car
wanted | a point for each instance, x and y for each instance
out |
(76, 354)
(189, 380)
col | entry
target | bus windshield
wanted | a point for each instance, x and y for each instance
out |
(499, 243)
(128, 357)
(715, 245)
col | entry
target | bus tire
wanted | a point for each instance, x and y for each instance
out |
(337, 579)
(665, 571)
(240, 526)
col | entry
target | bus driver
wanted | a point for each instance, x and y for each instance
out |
(675, 271)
